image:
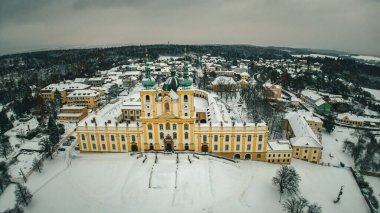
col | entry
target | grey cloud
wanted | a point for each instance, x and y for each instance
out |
(350, 25)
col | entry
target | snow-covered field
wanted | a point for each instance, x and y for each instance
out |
(120, 183)
(333, 146)
(366, 58)
(374, 92)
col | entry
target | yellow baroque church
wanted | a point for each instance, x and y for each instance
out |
(175, 117)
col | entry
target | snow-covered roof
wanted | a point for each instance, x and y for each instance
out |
(65, 86)
(311, 94)
(304, 135)
(279, 145)
(83, 93)
(220, 80)
(308, 116)
(320, 102)
(173, 95)
(353, 117)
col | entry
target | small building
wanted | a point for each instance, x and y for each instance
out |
(322, 107)
(223, 83)
(96, 82)
(306, 145)
(294, 101)
(88, 98)
(271, 90)
(64, 88)
(72, 113)
(279, 152)
(350, 119)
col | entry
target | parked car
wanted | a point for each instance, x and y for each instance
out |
(66, 144)
(61, 149)
(76, 147)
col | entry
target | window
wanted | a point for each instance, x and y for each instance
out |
(287, 160)
(238, 138)
(305, 150)
(167, 126)
(174, 126)
(258, 155)
(238, 147)
(113, 146)
(226, 147)
(133, 138)
(259, 147)
(102, 137)
(161, 135)
(161, 127)
(174, 135)
(204, 138)
(84, 146)
(124, 147)
(148, 114)
(314, 158)
(269, 155)
(288, 155)
(112, 137)
(131, 112)
(147, 98)
(215, 138)
(249, 138)
(93, 146)
(186, 114)
(186, 135)
(186, 126)
(150, 126)
(274, 155)
(296, 153)
(103, 146)
(185, 98)
(215, 147)
(150, 135)
(260, 138)
(249, 147)
(167, 107)
(227, 138)
(315, 151)
(122, 138)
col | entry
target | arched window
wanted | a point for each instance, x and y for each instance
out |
(167, 107)
(167, 126)
(174, 135)
(186, 126)
(161, 127)
(238, 138)
(186, 135)
(174, 126)
(204, 138)
(150, 126)
(185, 98)
(133, 138)
(227, 138)
(260, 138)
(147, 98)
(161, 135)
(215, 138)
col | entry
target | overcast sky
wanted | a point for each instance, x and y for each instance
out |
(348, 25)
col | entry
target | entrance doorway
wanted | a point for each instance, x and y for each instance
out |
(237, 156)
(247, 156)
(168, 147)
(134, 148)
(186, 147)
(151, 147)
(204, 148)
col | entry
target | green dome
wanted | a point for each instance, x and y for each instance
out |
(186, 82)
(148, 82)
(172, 83)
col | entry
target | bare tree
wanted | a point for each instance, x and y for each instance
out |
(287, 179)
(295, 205)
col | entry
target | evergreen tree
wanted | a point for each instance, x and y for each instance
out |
(37, 165)
(23, 196)
(47, 147)
(5, 146)
(4, 176)
(329, 123)
(287, 179)
(6, 124)
(53, 130)
(57, 98)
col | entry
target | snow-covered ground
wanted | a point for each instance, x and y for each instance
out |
(120, 183)
(366, 58)
(374, 182)
(333, 146)
(374, 92)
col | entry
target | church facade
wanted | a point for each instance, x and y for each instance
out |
(175, 117)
